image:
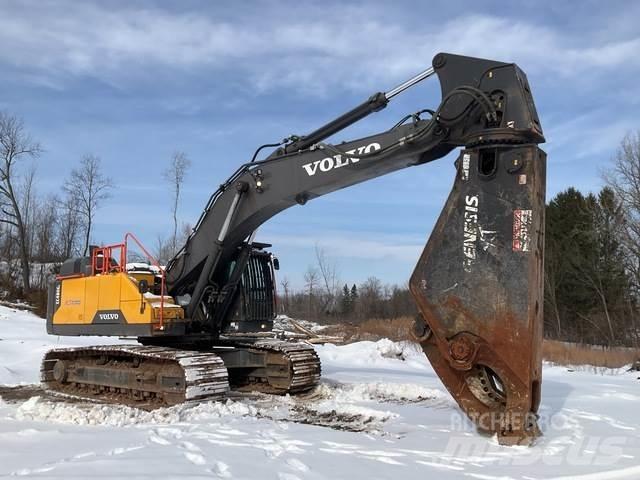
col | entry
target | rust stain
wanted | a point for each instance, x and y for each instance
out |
(485, 341)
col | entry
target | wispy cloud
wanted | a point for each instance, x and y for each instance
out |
(354, 244)
(218, 79)
(593, 133)
(110, 42)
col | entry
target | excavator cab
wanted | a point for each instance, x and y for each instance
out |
(255, 303)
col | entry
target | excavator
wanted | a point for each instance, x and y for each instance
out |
(203, 322)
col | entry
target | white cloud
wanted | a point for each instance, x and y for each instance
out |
(354, 244)
(311, 54)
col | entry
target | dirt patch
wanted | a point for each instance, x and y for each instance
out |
(21, 393)
(334, 420)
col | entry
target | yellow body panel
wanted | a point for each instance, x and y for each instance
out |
(73, 303)
(83, 298)
(109, 294)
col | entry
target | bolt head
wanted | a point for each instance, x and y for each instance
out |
(461, 349)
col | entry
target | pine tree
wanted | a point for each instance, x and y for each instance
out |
(354, 299)
(587, 287)
(346, 303)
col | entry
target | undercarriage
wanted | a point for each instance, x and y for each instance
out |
(151, 376)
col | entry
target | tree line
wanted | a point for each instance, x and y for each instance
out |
(350, 303)
(42, 227)
(45, 228)
(592, 253)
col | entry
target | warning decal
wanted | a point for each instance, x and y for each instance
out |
(466, 163)
(521, 230)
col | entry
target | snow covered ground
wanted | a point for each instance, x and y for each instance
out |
(380, 413)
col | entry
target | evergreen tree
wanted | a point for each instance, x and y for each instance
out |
(355, 304)
(567, 220)
(587, 287)
(346, 302)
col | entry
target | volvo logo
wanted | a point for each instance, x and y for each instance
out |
(329, 163)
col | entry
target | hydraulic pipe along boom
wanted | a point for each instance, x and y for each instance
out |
(374, 103)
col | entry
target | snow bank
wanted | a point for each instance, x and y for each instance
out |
(120, 416)
(382, 392)
(23, 342)
(381, 354)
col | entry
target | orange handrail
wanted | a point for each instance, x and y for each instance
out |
(105, 267)
(154, 262)
(105, 253)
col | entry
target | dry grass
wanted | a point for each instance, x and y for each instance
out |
(373, 329)
(565, 353)
(561, 353)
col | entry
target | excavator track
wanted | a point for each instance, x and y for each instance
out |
(152, 377)
(135, 375)
(290, 367)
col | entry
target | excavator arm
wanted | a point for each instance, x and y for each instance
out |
(478, 284)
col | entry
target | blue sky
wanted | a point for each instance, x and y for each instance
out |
(134, 81)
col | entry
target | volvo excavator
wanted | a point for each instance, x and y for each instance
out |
(204, 322)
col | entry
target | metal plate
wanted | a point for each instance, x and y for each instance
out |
(479, 287)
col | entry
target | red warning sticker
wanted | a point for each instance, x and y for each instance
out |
(521, 230)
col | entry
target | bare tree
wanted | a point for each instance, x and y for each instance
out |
(310, 284)
(175, 174)
(45, 226)
(624, 178)
(69, 226)
(329, 274)
(28, 206)
(15, 146)
(164, 250)
(371, 296)
(287, 289)
(88, 187)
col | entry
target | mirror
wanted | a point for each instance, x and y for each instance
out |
(143, 286)
(276, 263)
